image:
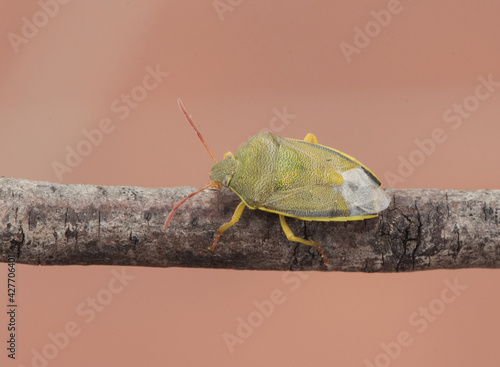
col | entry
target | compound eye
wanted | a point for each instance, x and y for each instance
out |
(228, 155)
(225, 181)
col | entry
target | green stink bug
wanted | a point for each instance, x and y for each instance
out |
(294, 178)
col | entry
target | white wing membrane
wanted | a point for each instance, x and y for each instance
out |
(362, 194)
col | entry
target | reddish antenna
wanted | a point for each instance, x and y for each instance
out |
(211, 184)
(188, 117)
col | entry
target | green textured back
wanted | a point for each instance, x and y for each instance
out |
(270, 168)
(253, 181)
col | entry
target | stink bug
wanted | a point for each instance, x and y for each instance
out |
(294, 178)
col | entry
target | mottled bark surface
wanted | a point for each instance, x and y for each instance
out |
(52, 224)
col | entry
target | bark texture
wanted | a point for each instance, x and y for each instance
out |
(52, 224)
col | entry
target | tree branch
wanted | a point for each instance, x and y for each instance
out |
(52, 224)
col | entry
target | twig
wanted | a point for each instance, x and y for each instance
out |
(52, 224)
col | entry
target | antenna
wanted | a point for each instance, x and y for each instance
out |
(188, 117)
(211, 184)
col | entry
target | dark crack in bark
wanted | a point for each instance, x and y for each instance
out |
(419, 236)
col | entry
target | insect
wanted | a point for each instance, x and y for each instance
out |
(294, 178)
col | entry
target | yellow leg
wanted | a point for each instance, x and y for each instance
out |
(311, 138)
(234, 219)
(291, 237)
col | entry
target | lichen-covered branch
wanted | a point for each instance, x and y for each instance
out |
(52, 224)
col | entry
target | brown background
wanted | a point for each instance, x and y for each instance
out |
(233, 72)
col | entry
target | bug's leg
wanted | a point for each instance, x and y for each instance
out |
(291, 237)
(311, 138)
(234, 219)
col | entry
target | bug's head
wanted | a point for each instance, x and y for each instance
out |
(223, 171)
